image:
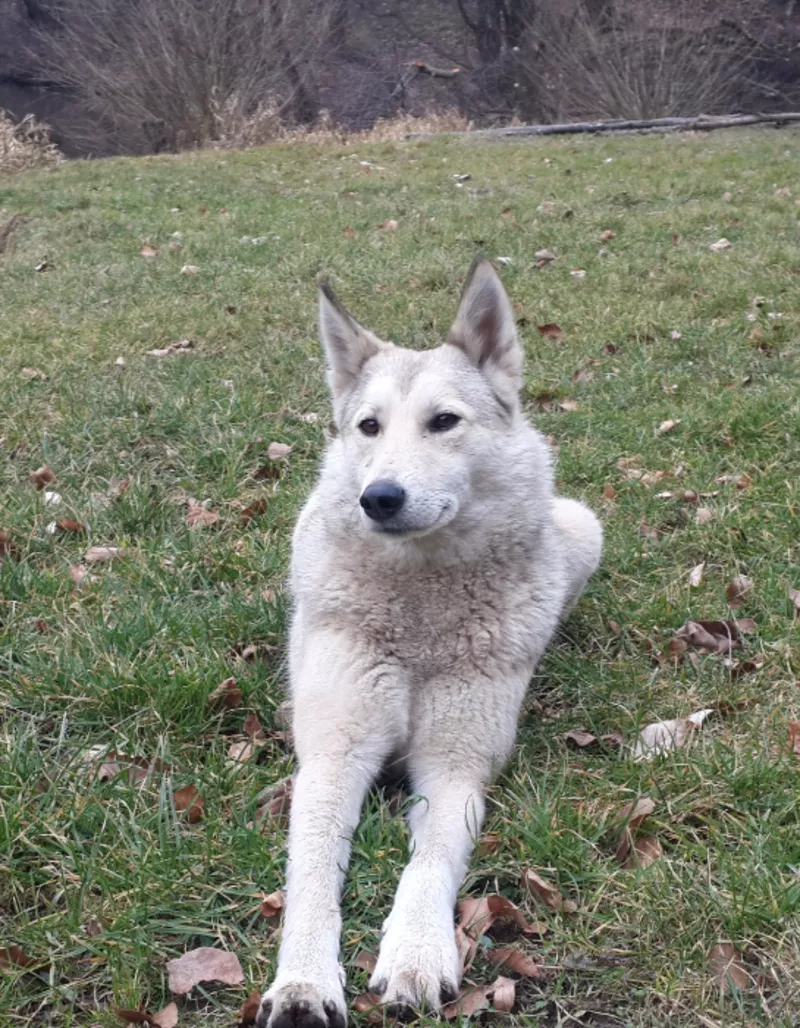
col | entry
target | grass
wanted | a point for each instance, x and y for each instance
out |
(128, 660)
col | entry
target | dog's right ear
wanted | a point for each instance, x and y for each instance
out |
(347, 345)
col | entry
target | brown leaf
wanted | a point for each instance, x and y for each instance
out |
(348, 233)
(369, 1004)
(737, 589)
(253, 730)
(32, 375)
(794, 737)
(647, 532)
(703, 515)
(276, 802)
(794, 594)
(552, 331)
(190, 800)
(166, 1018)
(272, 905)
(255, 510)
(366, 961)
(390, 225)
(696, 575)
(41, 477)
(253, 652)
(149, 251)
(488, 844)
(667, 426)
(198, 516)
(68, 527)
(249, 1009)
(716, 636)
(500, 994)
(580, 738)
(545, 892)
(608, 235)
(93, 927)
(227, 694)
(7, 547)
(568, 405)
(631, 816)
(102, 554)
(583, 375)
(610, 349)
(663, 736)
(278, 451)
(15, 956)
(204, 964)
(476, 916)
(133, 1016)
(179, 349)
(241, 751)
(740, 481)
(643, 853)
(515, 960)
(727, 969)
(609, 492)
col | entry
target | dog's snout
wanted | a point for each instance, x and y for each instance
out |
(382, 500)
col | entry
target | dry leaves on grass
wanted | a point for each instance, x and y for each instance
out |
(583, 740)
(696, 575)
(727, 969)
(15, 956)
(714, 636)
(8, 547)
(737, 589)
(102, 554)
(41, 477)
(515, 960)
(66, 526)
(205, 964)
(199, 516)
(166, 1018)
(667, 426)
(189, 799)
(365, 960)
(179, 349)
(488, 844)
(227, 694)
(741, 480)
(249, 1009)
(644, 852)
(794, 596)
(390, 225)
(794, 738)
(148, 250)
(551, 331)
(369, 1004)
(631, 852)
(546, 893)
(104, 765)
(498, 995)
(274, 805)
(663, 736)
(609, 492)
(720, 245)
(278, 451)
(271, 906)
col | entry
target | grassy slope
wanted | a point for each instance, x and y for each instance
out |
(129, 660)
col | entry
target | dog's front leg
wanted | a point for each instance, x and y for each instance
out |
(462, 733)
(344, 728)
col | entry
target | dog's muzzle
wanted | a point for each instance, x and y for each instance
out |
(382, 500)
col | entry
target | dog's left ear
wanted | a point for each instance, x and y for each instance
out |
(485, 329)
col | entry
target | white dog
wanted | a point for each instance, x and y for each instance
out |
(430, 568)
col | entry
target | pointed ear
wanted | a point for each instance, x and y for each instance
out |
(347, 345)
(485, 329)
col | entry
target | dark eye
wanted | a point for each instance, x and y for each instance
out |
(369, 426)
(444, 422)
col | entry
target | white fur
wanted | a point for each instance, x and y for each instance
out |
(415, 645)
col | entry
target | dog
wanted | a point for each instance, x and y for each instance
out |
(430, 568)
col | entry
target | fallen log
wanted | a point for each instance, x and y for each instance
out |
(701, 123)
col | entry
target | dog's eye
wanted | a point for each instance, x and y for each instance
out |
(443, 422)
(369, 426)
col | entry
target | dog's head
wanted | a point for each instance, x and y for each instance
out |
(418, 430)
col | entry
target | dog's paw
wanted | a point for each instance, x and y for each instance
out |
(301, 1005)
(417, 969)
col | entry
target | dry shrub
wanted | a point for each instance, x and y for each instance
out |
(25, 144)
(238, 130)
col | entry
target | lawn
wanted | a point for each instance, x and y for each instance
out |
(102, 879)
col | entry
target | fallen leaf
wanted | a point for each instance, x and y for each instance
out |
(15, 956)
(366, 961)
(580, 738)
(551, 331)
(102, 554)
(643, 853)
(255, 510)
(727, 969)
(183, 346)
(227, 694)
(149, 251)
(546, 893)
(390, 225)
(609, 492)
(166, 1018)
(348, 232)
(250, 1008)
(198, 516)
(610, 349)
(675, 335)
(515, 960)
(133, 1016)
(278, 451)
(7, 547)
(667, 426)
(369, 1004)
(647, 532)
(204, 964)
(276, 802)
(41, 477)
(794, 737)
(93, 927)
(568, 405)
(500, 995)
(488, 844)
(189, 269)
(716, 636)
(583, 375)
(631, 816)
(253, 730)
(66, 526)
(32, 375)
(740, 481)
(476, 915)
(544, 257)
(703, 515)
(696, 575)
(190, 800)
(252, 652)
(720, 245)
(578, 273)
(241, 751)
(794, 594)
(608, 235)
(737, 589)
(662, 736)
(272, 905)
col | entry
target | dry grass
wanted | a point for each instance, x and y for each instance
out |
(25, 144)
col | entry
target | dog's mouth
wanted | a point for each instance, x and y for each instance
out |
(399, 529)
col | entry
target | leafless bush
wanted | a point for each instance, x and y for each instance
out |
(632, 63)
(25, 144)
(164, 74)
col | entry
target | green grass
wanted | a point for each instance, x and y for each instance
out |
(128, 660)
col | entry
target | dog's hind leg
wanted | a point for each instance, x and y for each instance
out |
(345, 724)
(582, 544)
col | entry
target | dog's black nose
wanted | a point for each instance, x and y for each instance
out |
(382, 500)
